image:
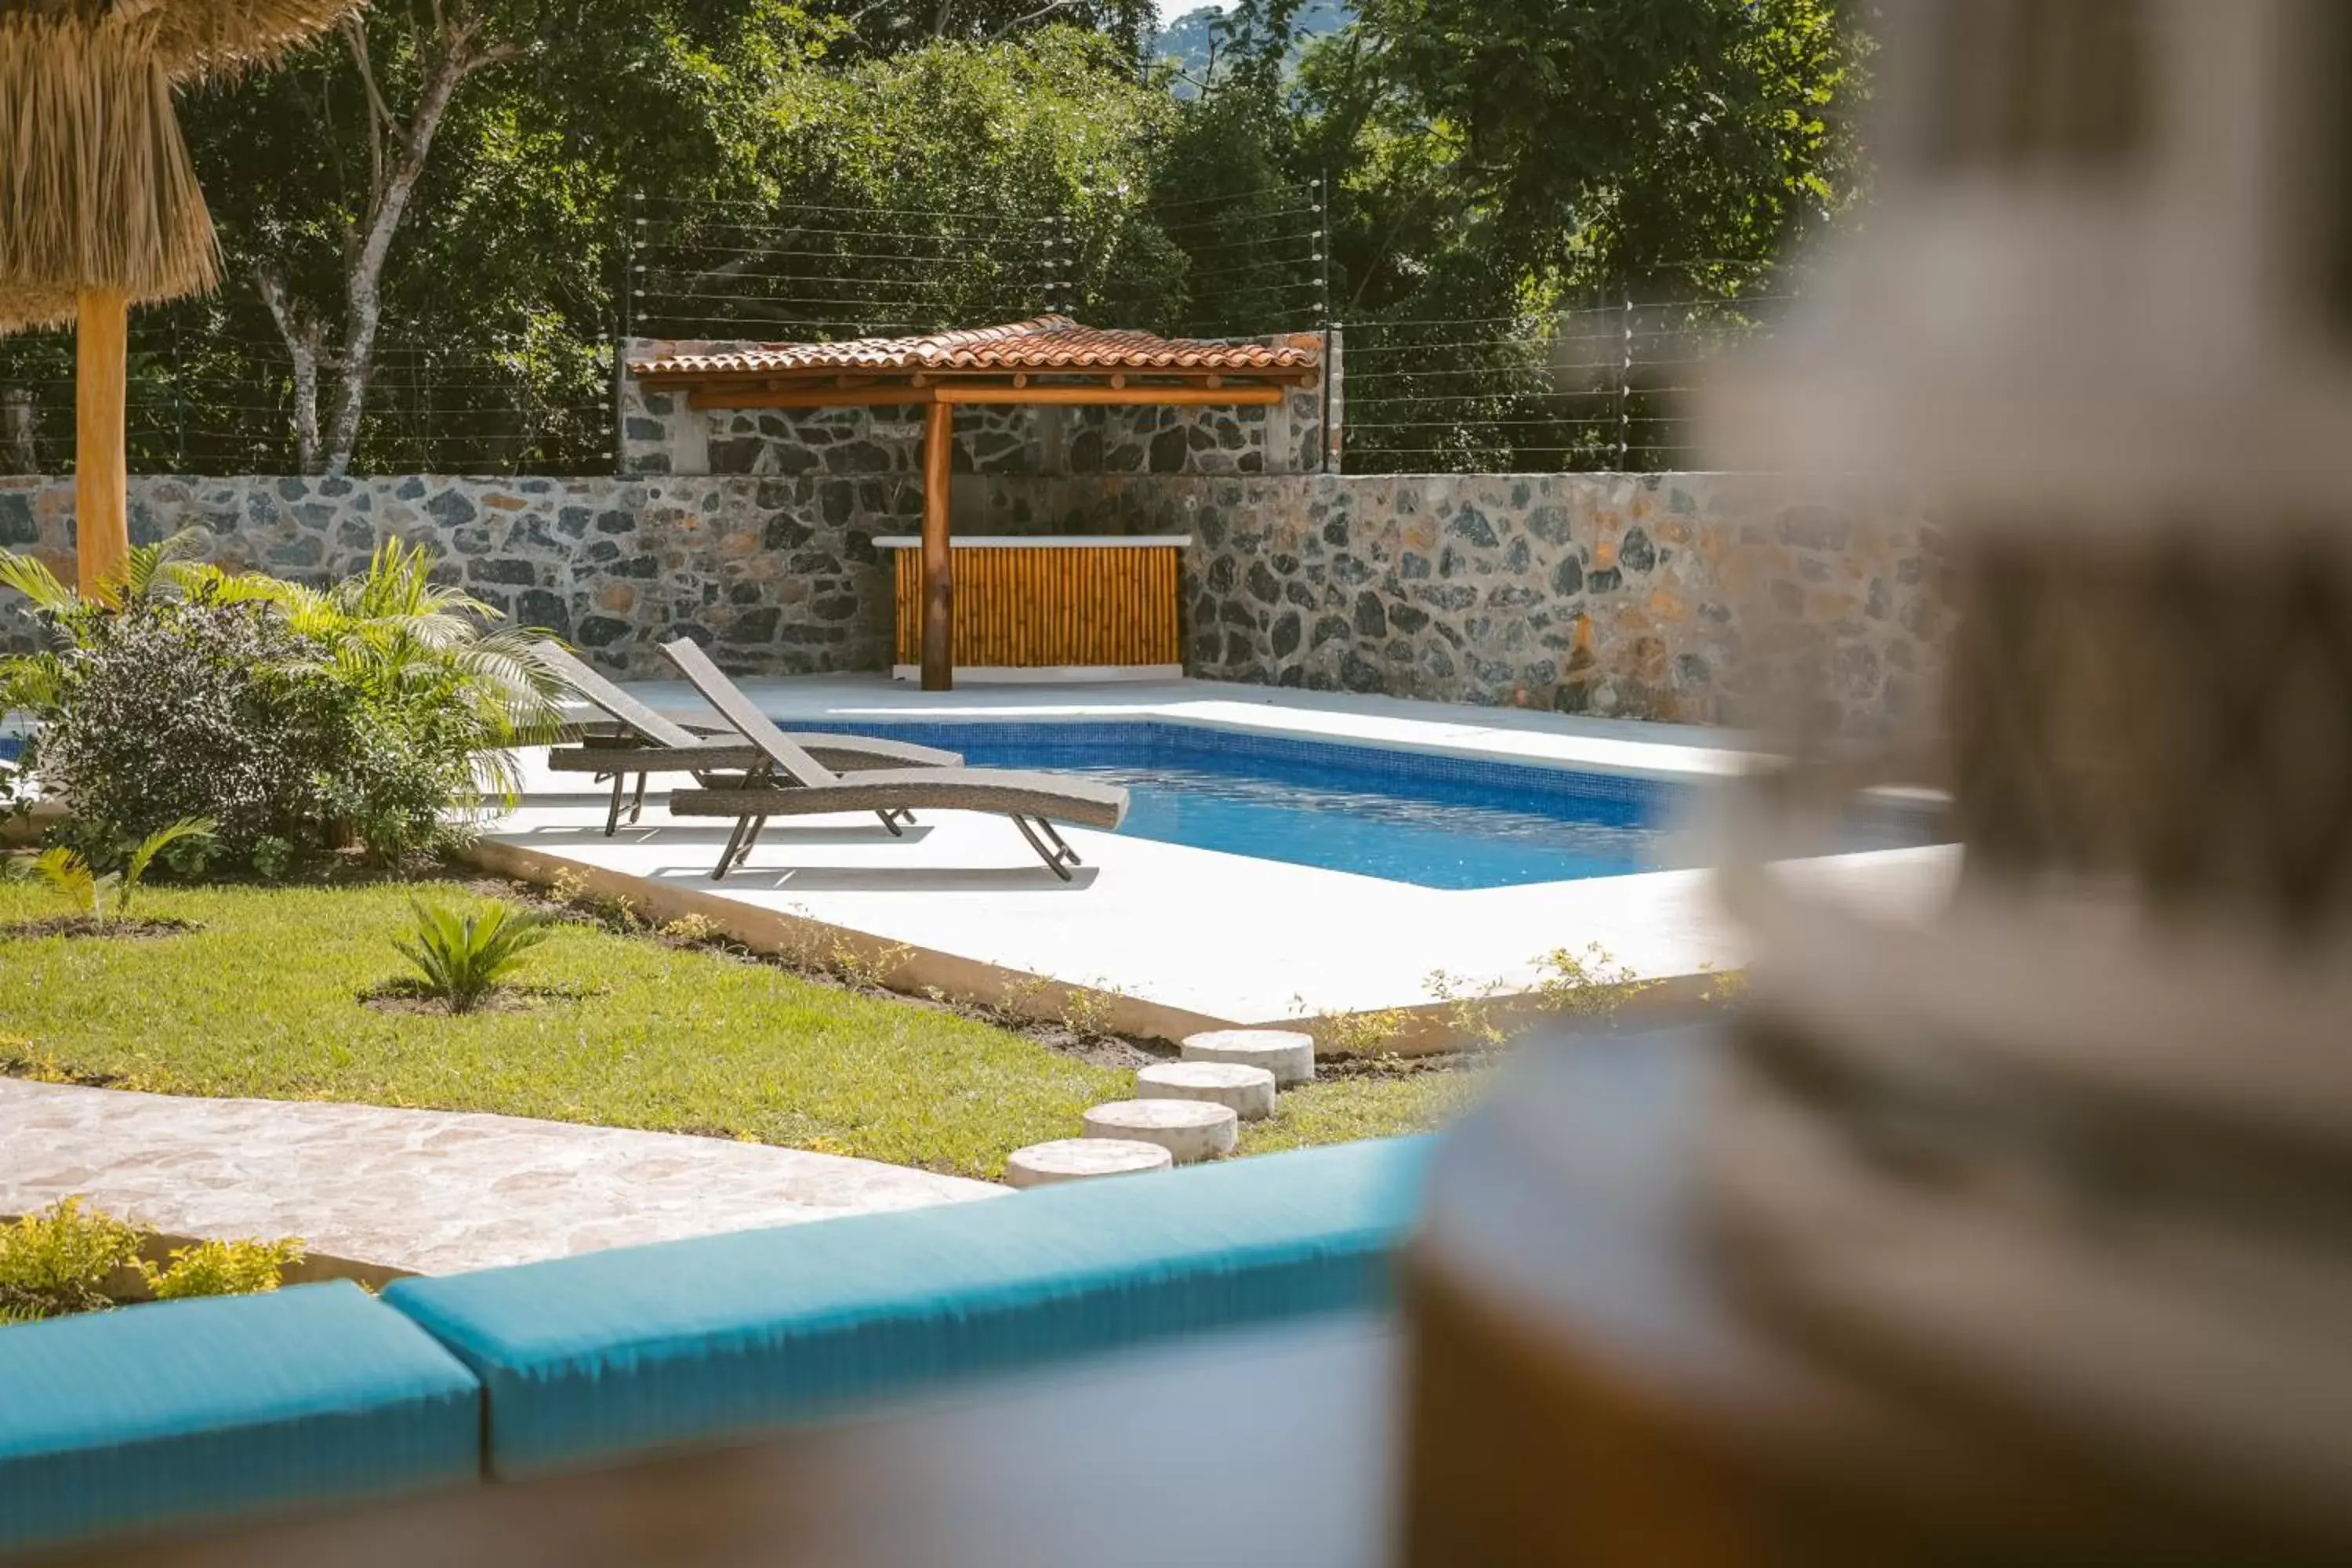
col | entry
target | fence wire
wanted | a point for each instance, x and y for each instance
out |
(204, 401)
(1583, 386)
(1598, 387)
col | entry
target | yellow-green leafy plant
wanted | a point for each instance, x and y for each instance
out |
(1086, 1010)
(462, 959)
(60, 1261)
(1591, 983)
(1352, 1034)
(1469, 1006)
(104, 894)
(691, 927)
(69, 1258)
(246, 1268)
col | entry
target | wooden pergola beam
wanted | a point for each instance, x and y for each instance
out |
(939, 556)
(1064, 393)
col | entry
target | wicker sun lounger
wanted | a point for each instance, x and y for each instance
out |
(1034, 800)
(646, 742)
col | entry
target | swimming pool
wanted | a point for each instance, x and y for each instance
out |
(1430, 820)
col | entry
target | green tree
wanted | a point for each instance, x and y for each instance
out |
(1601, 145)
(949, 185)
(893, 26)
(447, 170)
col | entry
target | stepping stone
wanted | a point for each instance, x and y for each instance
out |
(1289, 1055)
(1249, 1091)
(1082, 1160)
(1189, 1130)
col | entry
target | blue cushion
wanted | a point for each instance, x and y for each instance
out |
(642, 1346)
(176, 1409)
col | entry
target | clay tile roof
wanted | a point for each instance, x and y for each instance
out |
(1047, 344)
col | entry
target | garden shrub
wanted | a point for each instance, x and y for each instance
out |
(61, 1261)
(298, 720)
(72, 1259)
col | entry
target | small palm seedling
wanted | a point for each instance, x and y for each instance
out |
(69, 873)
(462, 958)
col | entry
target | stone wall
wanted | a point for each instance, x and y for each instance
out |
(1702, 597)
(661, 435)
(778, 574)
(1689, 596)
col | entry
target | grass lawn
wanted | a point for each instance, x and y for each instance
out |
(267, 1000)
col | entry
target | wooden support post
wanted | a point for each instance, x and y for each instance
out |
(101, 489)
(939, 557)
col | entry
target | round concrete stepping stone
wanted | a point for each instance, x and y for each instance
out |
(1082, 1160)
(1189, 1130)
(1289, 1055)
(1248, 1089)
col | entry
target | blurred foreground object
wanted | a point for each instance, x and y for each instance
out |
(99, 205)
(2018, 1229)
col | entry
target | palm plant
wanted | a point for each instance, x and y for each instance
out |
(391, 630)
(394, 626)
(69, 873)
(146, 569)
(462, 958)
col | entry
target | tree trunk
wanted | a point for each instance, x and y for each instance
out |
(457, 57)
(302, 341)
(397, 157)
(20, 428)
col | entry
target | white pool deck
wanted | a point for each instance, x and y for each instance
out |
(1193, 938)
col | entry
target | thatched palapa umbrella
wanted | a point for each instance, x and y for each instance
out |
(99, 205)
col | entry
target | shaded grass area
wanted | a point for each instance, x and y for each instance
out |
(267, 999)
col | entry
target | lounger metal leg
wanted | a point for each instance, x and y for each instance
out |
(890, 821)
(727, 855)
(1068, 854)
(612, 813)
(759, 824)
(637, 802)
(1053, 858)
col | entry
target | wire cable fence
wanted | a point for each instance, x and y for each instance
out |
(204, 401)
(1245, 264)
(1595, 387)
(1590, 385)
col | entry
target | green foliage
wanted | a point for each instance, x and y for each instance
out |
(242, 1268)
(68, 873)
(61, 1260)
(294, 719)
(71, 1260)
(462, 958)
(978, 146)
(1573, 152)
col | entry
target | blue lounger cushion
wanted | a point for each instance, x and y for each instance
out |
(617, 1351)
(178, 1410)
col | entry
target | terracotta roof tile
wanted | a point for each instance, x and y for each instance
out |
(1048, 343)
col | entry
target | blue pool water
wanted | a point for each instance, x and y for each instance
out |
(1436, 821)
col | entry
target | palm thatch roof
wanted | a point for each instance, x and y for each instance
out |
(96, 188)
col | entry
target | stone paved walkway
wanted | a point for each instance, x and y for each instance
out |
(422, 1191)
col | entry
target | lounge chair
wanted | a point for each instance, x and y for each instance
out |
(645, 743)
(1034, 800)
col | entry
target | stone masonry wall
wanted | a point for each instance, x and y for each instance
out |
(1690, 596)
(778, 574)
(1702, 597)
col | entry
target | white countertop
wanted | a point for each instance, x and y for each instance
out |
(1042, 542)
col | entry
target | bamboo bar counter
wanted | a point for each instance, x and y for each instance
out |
(1082, 607)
